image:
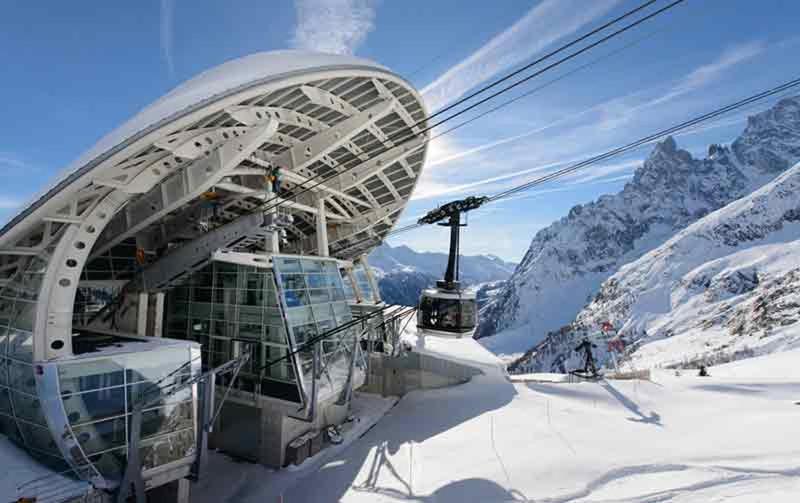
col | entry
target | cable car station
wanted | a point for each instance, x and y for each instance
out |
(174, 289)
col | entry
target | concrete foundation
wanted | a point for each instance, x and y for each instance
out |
(261, 429)
(398, 375)
(262, 432)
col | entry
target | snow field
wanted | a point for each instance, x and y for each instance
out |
(686, 439)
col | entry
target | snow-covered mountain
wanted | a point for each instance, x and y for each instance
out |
(726, 287)
(569, 260)
(402, 272)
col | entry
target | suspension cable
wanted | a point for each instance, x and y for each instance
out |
(395, 140)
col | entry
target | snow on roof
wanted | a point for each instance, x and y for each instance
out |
(464, 350)
(213, 84)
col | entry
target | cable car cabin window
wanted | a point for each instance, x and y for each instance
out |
(449, 315)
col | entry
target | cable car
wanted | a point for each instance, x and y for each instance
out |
(448, 310)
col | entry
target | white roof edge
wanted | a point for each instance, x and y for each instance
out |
(216, 83)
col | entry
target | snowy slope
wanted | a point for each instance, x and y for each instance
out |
(403, 273)
(683, 439)
(569, 260)
(725, 288)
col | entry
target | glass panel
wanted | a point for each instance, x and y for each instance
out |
(319, 296)
(248, 314)
(110, 464)
(3, 370)
(3, 339)
(287, 265)
(5, 401)
(167, 448)
(28, 407)
(151, 393)
(293, 281)
(363, 283)
(9, 428)
(94, 405)
(102, 436)
(275, 335)
(312, 265)
(300, 316)
(297, 298)
(161, 365)
(303, 333)
(91, 375)
(316, 281)
(167, 419)
(38, 438)
(21, 377)
(250, 331)
(6, 309)
(20, 344)
(452, 315)
(468, 314)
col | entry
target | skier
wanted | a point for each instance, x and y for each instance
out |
(703, 371)
(589, 367)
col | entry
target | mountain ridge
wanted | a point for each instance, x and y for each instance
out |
(725, 288)
(403, 273)
(569, 260)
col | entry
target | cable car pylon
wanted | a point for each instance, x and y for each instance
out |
(447, 310)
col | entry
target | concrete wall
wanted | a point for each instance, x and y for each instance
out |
(261, 432)
(409, 371)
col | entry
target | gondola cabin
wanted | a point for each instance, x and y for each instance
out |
(447, 313)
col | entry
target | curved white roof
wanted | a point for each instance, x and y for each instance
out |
(368, 171)
(218, 81)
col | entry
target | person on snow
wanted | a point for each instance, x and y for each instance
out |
(589, 366)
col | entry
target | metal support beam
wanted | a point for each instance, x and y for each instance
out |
(141, 314)
(322, 229)
(301, 155)
(273, 243)
(371, 279)
(158, 315)
(183, 187)
(389, 185)
(380, 162)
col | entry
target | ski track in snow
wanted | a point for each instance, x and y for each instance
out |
(683, 439)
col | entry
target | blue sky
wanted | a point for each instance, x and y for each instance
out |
(72, 71)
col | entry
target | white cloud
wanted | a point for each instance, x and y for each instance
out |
(708, 73)
(333, 26)
(167, 10)
(603, 172)
(9, 203)
(9, 161)
(544, 24)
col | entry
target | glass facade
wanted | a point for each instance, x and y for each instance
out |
(315, 301)
(97, 392)
(21, 416)
(99, 395)
(269, 312)
(231, 309)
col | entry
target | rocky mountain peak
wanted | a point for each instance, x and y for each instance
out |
(568, 260)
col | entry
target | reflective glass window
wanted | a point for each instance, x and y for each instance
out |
(101, 436)
(28, 407)
(94, 405)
